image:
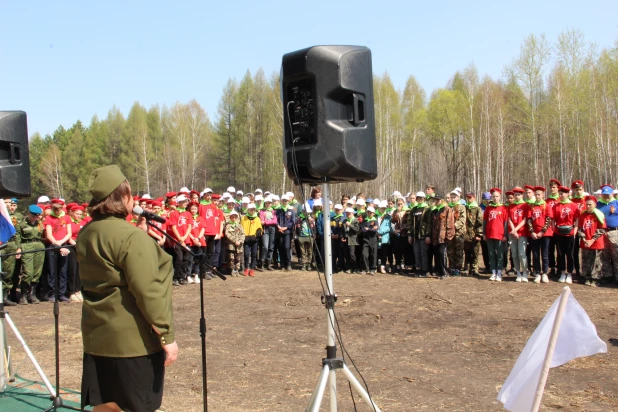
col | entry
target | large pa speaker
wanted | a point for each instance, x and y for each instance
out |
(14, 155)
(327, 95)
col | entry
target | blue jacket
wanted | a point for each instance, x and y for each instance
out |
(319, 224)
(286, 218)
(611, 219)
(385, 230)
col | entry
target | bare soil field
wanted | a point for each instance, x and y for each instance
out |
(421, 344)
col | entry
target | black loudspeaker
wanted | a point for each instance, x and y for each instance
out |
(327, 95)
(14, 155)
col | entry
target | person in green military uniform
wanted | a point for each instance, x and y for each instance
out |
(29, 231)
(473, 236)
(127, 326)
(455, 246)
(10, 264)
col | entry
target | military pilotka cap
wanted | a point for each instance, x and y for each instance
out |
(104, 180)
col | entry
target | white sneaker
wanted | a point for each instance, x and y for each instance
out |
(190, 279)
(382, 269)
(569, 279)
(518, 278)
(537, 279)
(524, 278)
(492, 277)
(562, 278)
(498, 278)
(196, 279)
(544, 278)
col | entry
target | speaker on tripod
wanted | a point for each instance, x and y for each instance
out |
(327, 95)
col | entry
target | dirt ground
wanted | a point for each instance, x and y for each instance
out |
(421, 344)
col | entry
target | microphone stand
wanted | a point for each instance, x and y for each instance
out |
(55, 395)
(202, 316)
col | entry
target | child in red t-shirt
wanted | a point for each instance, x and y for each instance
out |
(57, 233)
(565, 224)
(495, 220)
(539, 226)
(591, 230)
(518, 234)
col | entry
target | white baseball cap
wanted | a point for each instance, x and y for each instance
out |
(285, 197)
(421, 194)
(233, 212)
(268, 199)
(229, 199)
(376, 201)
(184, 189)
(317, 202)
(251, 206)
(231, 189)
(350, 202)
(147, 196)
(245, 200)
(43, 199)
(181, 198)
(396, 193)
(275, 197)
(240, 192)
(259, 197)
(290, 194)
(258, 191)
(383, 203)
(338, 206)
(226, 194)
(371, 209)
(349, 210)
(360, 202)
(207, 190)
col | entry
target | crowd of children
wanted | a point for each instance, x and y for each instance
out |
(567, 233)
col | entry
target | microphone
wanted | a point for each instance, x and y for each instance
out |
(148, 215)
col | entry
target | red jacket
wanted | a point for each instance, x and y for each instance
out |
(517, 214)
(495, 218)
(565, 215)
(589, 223)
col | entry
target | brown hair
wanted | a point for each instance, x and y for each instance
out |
(113, 204)
(315, 191)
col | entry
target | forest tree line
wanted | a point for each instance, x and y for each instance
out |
(552, 114)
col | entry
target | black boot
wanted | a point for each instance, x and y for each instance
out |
(32, 294)
(269, 265)
(25, 289)
(7, 299)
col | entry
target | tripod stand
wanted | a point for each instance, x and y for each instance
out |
(332, 363)
(5, 318)
(202, 316)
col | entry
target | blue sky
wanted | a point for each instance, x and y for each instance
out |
(61, 60)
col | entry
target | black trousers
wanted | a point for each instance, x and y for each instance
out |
(485, 253)
(251, 248)
(552, 249)
(210, 254)
(74, 283)
(539, 253)
(386, 254)
(399, 247)
(350, 257)
(565, 252)
(439, 254)
(58, 266)
(195, 262)
(338, 258)
(182, 259)
(283, 245)
(370, 252)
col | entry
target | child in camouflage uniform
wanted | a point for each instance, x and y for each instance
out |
(235, 236)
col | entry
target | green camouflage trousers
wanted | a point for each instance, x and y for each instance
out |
(609, 257)
(472, 250)
(234, 257)
(591, 263)
(455, 252)
(9, 265)
(32, 263)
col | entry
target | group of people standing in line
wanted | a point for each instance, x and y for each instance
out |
(421, 234)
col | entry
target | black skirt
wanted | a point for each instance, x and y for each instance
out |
(135, 384)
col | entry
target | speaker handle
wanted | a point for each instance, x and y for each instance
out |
(15, 155)
(358, 103)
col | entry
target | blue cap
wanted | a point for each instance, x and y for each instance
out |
(486, 196)
(607, 190)
(14, 200)
(35, 210)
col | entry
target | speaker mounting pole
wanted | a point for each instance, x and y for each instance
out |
(331, 363)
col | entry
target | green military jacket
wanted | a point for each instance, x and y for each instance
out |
(26, 232)
(16, 218)
(127, 288)
(474, 223)
(459, 212)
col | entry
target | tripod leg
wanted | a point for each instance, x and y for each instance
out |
(359, 388)
(332, 386)
(21, 340)
(318, 392)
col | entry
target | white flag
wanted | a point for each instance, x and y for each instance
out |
(577, 337)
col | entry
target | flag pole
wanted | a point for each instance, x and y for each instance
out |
(553, 338)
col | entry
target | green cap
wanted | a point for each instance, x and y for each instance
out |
(104, 180)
